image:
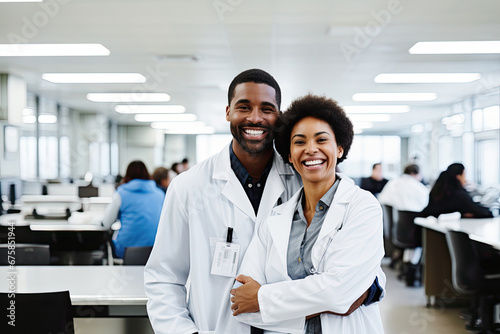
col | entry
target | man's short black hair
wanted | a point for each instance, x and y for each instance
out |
(376, 164)
(319, 107)
(256, 76)
(412, 169)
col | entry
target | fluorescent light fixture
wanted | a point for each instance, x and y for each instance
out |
(165, 118)
(457, 47)
(29, 119)
(370, 118)
(394, 97)
(426, 77)
(206, 130)
(363, 125)
(128, 97)
(47, 119)
(177, 125)
(94, 77)
(52, 50)
(149, 109)
(382, 109)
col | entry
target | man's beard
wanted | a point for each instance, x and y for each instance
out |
(252, 146)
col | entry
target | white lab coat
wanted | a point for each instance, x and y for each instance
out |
(405, 193)
(199, 206)
(346, 256)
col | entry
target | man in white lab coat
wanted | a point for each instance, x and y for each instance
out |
(220, 199)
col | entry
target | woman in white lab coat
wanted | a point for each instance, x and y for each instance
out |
(322, 249)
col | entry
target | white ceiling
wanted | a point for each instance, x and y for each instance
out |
(299, 42)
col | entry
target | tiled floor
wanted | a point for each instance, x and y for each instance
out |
(404, 311)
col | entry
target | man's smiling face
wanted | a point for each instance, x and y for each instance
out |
(252, 114)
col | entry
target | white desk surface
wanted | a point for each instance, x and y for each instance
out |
(62, 225)
(87, 285)
(485, 230)
(55, 224)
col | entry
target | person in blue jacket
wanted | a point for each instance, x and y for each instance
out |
(137, 203)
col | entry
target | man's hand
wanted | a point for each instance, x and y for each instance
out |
(245, 298)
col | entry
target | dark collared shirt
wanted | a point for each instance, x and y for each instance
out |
(253, 188)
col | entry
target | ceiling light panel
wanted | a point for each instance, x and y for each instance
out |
(372, 97)
(206, 130)
(165, 118)
(382, 109)
(47, 119)
(362, 125)
(94, 77)
(52, 50)
(128, 97)
(149, 109)
(456, 47)
(370, 118)
(177, 125)
(426, 77)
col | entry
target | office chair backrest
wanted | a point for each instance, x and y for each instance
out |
(465, 267)
(136, 256)
(25, 254)
(405, 233)
(36, 313)
(388, 220)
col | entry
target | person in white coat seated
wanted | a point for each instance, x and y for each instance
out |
(406, 192)
(317, 253)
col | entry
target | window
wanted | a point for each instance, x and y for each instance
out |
(367, 150)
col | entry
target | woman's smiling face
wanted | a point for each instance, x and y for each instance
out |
(313, 150)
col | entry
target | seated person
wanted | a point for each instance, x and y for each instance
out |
(137, 203)
(449, 195)
(376, 182)
(162, 178)
(406, 192)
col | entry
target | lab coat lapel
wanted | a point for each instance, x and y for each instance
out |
(280, 225)
(334, 218)
(232, 190)
(272, 191)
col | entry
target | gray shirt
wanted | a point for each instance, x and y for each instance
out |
(302, 240)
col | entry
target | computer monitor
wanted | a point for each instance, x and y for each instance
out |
(88, 191)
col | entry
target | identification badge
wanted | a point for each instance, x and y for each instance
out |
(226, 258)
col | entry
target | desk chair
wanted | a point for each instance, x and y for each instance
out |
(136, 256)
(37, 313)
(390, 250)
(469, 278)
(25, 254)
(407, 235)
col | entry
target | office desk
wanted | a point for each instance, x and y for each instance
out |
(437, 260)
(486, 230)
(62, 225)
(100, 291)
